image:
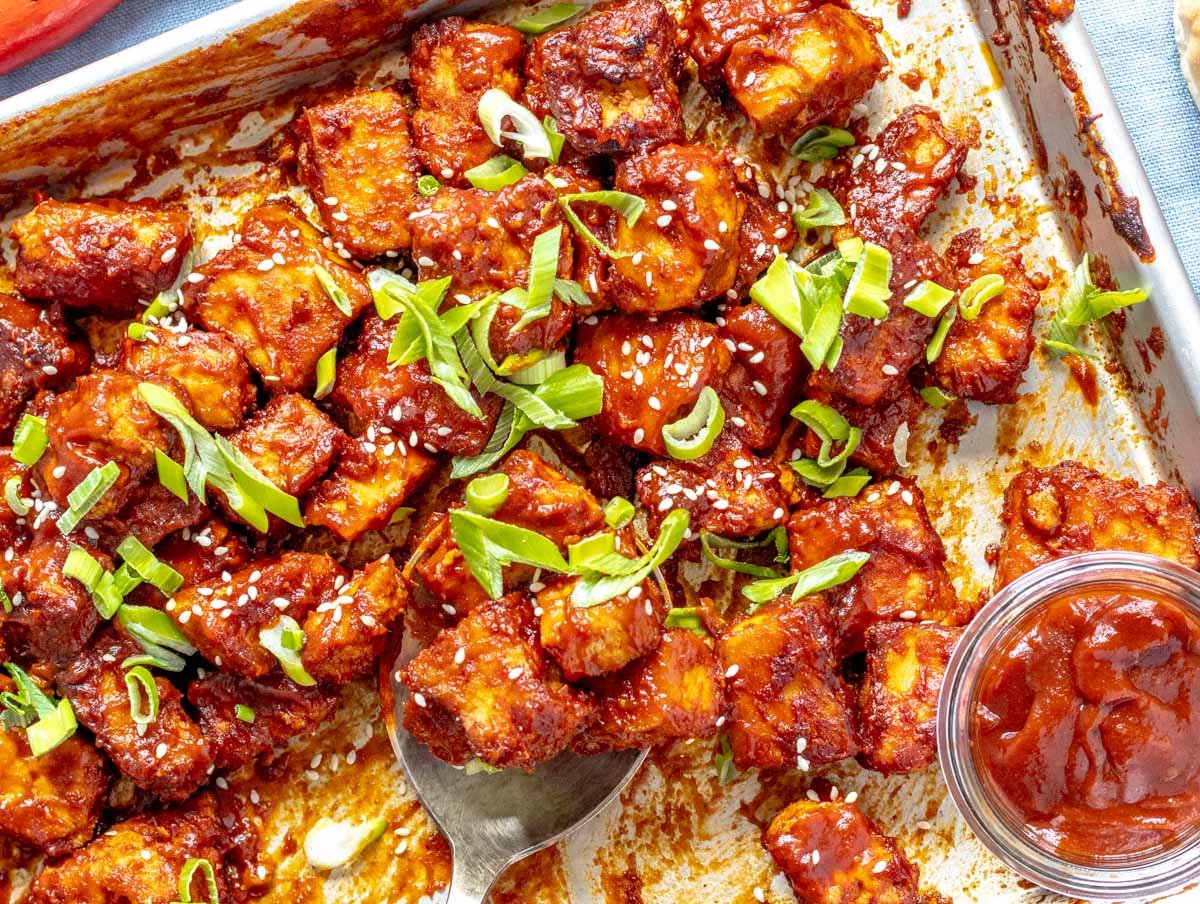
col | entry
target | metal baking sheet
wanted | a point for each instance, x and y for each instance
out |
(197, 117)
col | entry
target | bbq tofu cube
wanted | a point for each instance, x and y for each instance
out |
(209, 368)
(279, 710)
(1068, 509)
(880, 424)
(372, 478)
(809, 68)
(595, 640)
(452, 64)
(832, 853)
(345, 635)
(356, 158)
(50, 802)
(767, 231)
(265, 295)
(141, 858)
(406, 400)
(36, 352)
(905, 579)
(653, 371)
(729, 491)
(984, 358)
(291, 441)
(683, 249)
(53, 616)
(539, 499)
(483, 240)
(490, 674)
(169, 756)
(789, 706)
(609, 80)
(675, 692)
(109, 256)
(713, 27)
(222, 618)
(887, 204)
(897, 705)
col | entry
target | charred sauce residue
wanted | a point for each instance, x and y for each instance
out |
(1089, 721)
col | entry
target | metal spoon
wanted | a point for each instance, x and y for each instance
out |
(493, 820)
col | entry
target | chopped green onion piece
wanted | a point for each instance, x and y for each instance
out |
(595, 588)
(849, 484)
(157, 657)
(495, 107)
(125, 579)
(335, 292)
(937, 398)
(29, 440)
(47, 724)
(821, 143)
(171, 475)
(688, 618)
(476, 766)
(12, 495)
(693, 435)
(821, 210)
(928, 298)
(831, 572)
(571, 292)
(137, 331)
(868, 291)
(485, 495)
(284, 640)
(778, 292)
(83, 567)
(49, 731)
(1084, 303)
(154, 629)
(543, 270)
(190, 868)
(332, 843)
(86, 494)
(937, 342)
(5, 602)
(618, 512)
(979, 293)
(592, 553)
(556, 138)
(831, 428)
(545, 19)
(140, 684)
(488, 546)
(709, 540)
(541, 370)
(326, 373)
(427, 186)
(494, 174)
(147, 566)
(726, 771)
(257, 487)
(244, 713)
(628, 206)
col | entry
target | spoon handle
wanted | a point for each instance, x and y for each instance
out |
(470, 881)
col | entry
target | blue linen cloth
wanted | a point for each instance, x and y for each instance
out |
(1135, 42)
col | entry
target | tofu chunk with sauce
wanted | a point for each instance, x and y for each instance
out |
(714, 27)
(291, 441)
(107, 256)
(36, 352)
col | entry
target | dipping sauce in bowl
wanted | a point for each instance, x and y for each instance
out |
(1069, 725)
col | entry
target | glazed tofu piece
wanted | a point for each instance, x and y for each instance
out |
(490, 673)
(291, 441)
(209, 367)
(356, 159)
(452, 64)
(170, 757)
(654, 370)
(609, 80)
(887, 204)
(373, 476)
(789, 706)
(675, 692)
(713, 27)
(141, 858)
(984, 359)
(683, 250)
(880, 423)
(1054, 512)
(50, 802)
(897, 703)
(345, 635)
(539, 499)
(14, 528)
(53, 616)
(36, 352)
(904, 580)
(766, 378)
(853, 860)
(596, 640)
(202, 552)
(728, 491)
(222, 618)
(810, 68)
(484, 240)
(405, 399)
(281, 709)
(767, 231)
(108, 256)
(265, 295)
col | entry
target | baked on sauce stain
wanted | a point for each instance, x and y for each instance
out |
(1083, 378)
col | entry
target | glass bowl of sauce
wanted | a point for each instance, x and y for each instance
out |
(1069, 726)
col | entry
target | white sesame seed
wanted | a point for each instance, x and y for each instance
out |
(419, 699)
(460, 656)
(890, 370)
(58, 472)
(907, 496)
(693, 175)
(778, 514)
(710, 245)
(655, 403)
(908, 615)
(515, 673)
(266, 264)
(759, 894)
(664, 221)
(161, 750)
(976, 258)
(638, 435)
(731, 671)
(666, 503)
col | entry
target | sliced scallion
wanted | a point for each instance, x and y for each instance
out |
(594, 588)
(284, 640)
(244, 713)
(47, 724)
(822, 209)
(83, 567)
(188, 873)
(545, 19)
(708, 542)
(147, 566)
(29, 440)
(937, 342)
(326, 373)
(868, 291)
(51, 730)
(821, 143)
(333, 843)
(1084, 303)
(849, 484)
(12, 495)
(979, 293)
(540, 370)
(485, 495)
(495, 107)
(489, 546)
(628, 206)
(154, 630)
(832, 572)
(723, 761)
(427, 186)
(86, 494)
(543, 270)
(928, 298)
(936, 398)
(171, 475)
(141, 687)
(689, 618)
(335, 292)
(618, 512)
(693, 435)
(494, 174)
